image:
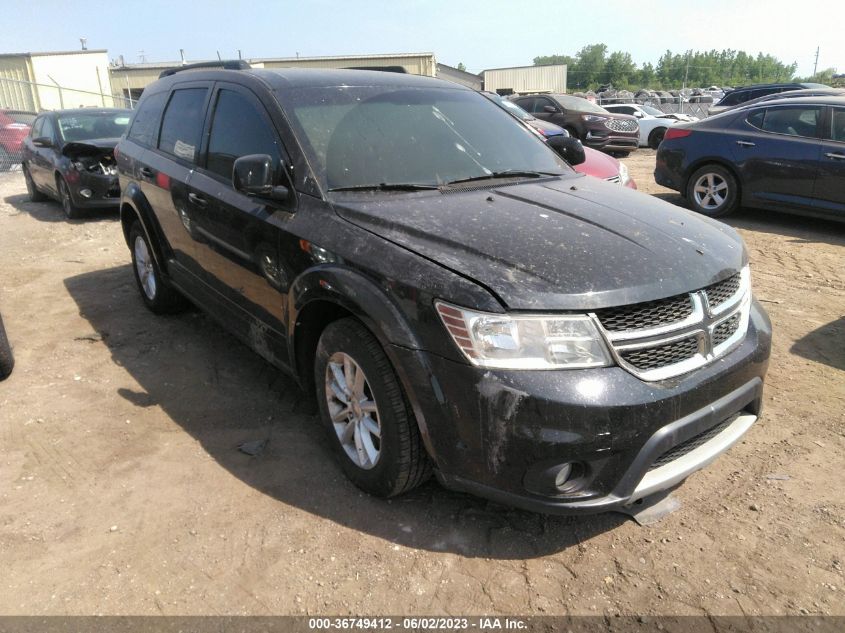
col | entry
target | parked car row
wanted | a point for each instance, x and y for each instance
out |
(458, 300)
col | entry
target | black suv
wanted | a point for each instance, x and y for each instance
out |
(457, 298)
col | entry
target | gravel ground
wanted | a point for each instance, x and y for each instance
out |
(123, 491)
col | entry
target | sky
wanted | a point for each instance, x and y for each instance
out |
(479, 34)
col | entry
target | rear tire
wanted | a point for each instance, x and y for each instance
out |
(31, 189)
(370, 424)
(72, 212)
(7, 361)
(158, 295)
(656, 137)
(713, 191)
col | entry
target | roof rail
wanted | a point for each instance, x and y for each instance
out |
(226, 64)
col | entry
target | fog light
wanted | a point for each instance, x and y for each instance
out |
(85, 193)
(562, 476)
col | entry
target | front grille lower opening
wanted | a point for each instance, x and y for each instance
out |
(693, 443)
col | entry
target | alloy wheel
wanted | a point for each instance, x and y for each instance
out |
(353, 410)
(144, 268)
(710, 191)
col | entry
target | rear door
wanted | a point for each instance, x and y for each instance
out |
(239, 235)
(830, 183)
(166, 170)
(776, 150)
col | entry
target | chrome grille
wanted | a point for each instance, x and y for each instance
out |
(720, 292)
(662, 355)
(693, 443)
(668, 337)
(621, 125)
(646, 315)
(725, 329)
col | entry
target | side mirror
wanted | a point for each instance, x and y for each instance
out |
(253, 176)
(569, 148)
(550, 109)
(43, 141)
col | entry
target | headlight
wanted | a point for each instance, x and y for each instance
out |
(623, 174)
(505, 341)
(593, 117)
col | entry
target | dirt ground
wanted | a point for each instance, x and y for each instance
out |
(122, 490)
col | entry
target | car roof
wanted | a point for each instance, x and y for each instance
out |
(817, 100)
(285, 78)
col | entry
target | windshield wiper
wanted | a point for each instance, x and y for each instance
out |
(385, 186)
(508, 173)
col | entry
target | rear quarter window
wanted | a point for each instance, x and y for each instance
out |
(144, 128)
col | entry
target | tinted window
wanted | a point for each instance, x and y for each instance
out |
(145, 125)
(756, 118)
(542, 102)
(238, 129)
(838, 125)
(48, 129)
(793, 120)
(182, 123)
(526, 104)
(37, 127)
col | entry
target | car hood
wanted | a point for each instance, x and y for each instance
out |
(598, 164)
(572, 243)
(91, 147)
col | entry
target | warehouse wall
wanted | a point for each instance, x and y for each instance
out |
(77, 73)
(14, 95)
(526, 79)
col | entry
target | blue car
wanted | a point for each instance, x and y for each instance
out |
(784, 156)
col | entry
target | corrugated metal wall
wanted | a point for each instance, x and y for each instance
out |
(527, 79)
(15, 95)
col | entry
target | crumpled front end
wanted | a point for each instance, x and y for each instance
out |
(92, 175)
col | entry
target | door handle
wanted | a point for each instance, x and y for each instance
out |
(746, 144)
(835, 156)
(146, 172)
(197, 200)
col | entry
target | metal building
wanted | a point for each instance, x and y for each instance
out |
(522, 79)
(55, 80)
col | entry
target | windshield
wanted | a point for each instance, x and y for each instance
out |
(84, 126)
(367, 136)
(651, 111)
(578, 104)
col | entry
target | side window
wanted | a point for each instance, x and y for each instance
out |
(793, 120)
(542, 102)
(47, 128)
(145, 124)
(181, 125)
(35, 132)
(756, 118)
(526, 104)
(238, 129)
(837, 131)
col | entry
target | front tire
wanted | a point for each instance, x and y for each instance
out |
(31, 189)
(365, 412)
(72, 212)
(159, 296)
(656, 137)
(713, 191)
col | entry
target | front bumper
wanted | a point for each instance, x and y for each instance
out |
(103, 190)
(503, 434)
(603, 140)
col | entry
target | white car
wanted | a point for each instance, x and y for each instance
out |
(653, 122)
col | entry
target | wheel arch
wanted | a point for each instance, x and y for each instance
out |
(134, 206)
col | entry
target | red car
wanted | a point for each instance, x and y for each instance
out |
(606, 167)
(14, 128)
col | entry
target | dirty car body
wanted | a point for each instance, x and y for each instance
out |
(562, 344)
(70, 154)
